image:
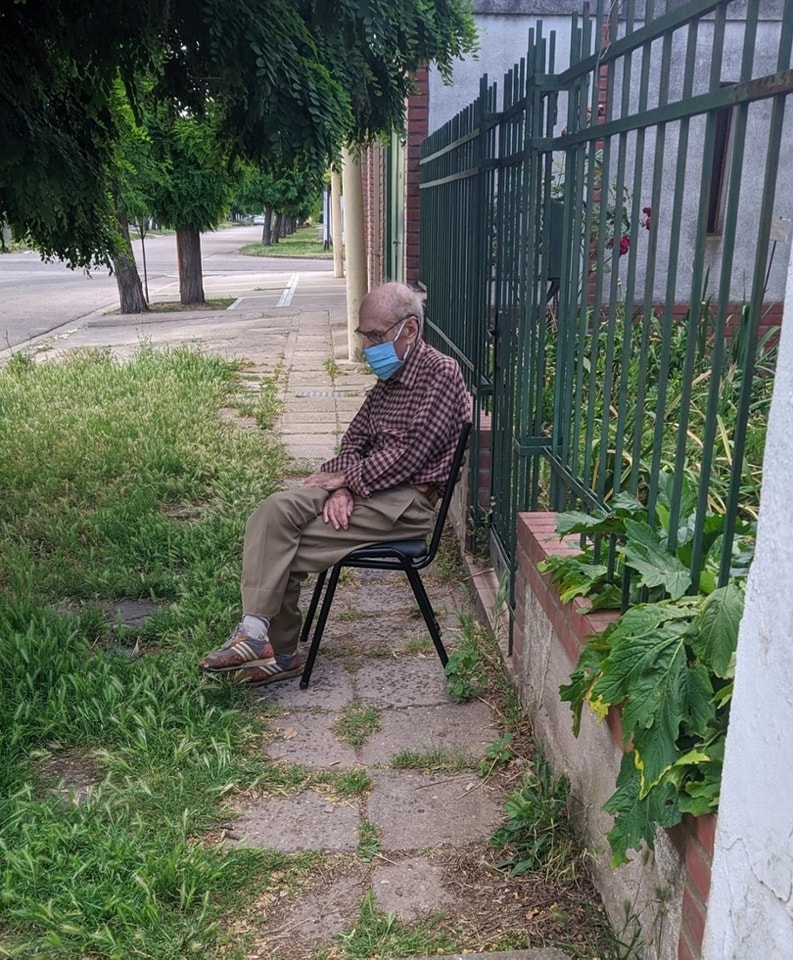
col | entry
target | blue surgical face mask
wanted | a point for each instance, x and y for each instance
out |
(383, 358)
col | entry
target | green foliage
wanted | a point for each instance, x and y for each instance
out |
(196, 177)
(368, 841)
(498, 753)
(357, 723)
(667, 664)
(283, 80)
(116, 480)
(382, 935)
(466, 674)
(537, 837)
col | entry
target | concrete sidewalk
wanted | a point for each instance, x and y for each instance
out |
(427, 830)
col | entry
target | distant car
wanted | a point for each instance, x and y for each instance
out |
(259, 220)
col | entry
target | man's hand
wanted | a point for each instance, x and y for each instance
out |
(338, 508)
(327, 481)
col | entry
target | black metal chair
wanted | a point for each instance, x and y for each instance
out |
(409, 556)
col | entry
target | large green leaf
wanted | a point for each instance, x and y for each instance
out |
(574, 521)
(635, 816)
(634, 645)
(644, 552)
(581, 679)
(717, 638)
(655, 672)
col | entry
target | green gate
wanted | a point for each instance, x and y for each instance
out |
(598, 245)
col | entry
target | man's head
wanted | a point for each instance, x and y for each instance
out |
(392, 312)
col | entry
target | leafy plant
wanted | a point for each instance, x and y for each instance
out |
(498, 753)
(537, 836)
(667, 663)
(466, 672)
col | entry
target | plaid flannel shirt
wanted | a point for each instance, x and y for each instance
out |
(407, 428)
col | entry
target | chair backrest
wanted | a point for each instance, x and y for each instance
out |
(451, 483)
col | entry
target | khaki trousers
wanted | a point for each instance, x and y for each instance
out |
(286, 538)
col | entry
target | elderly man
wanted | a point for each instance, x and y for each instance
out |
(395, 459)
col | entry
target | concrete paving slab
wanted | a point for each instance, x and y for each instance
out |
(458, 729)
(536, 953)
(323, 915)
(331, 688)
(405, 682)
(410, 889)
(306, 821)
(413, 811)
(307, 738)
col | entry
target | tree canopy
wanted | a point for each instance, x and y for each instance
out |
(284, 78)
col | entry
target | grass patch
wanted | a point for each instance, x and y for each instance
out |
(382, 935)
(432, 760)
(368, 841)
(211, 303)
(422, 644)
(357, 723)
(94, 455)
(305, 242)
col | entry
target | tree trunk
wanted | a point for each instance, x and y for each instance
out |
(267, 229)
(191, 279)
(130, 291)
(276, 230)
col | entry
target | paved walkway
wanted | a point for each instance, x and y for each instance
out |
(427, 830)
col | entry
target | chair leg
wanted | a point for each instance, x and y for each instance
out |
(324, 610)
(312, 607)
(429, 614)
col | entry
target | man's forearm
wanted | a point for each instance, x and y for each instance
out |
(326, 481)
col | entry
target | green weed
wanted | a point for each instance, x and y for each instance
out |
(357, 723)
(382, 935)
(466, 675)
(537, 836)
(368, 841)
(432, 760)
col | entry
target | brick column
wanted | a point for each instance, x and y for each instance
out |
(417, 119)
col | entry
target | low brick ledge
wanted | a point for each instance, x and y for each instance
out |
(573, 623)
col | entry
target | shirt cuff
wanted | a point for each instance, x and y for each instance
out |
(354, 478)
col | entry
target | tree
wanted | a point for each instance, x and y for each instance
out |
(194, 191)
(283, 77)
(280, 191)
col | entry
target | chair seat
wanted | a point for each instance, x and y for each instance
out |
(410, 549)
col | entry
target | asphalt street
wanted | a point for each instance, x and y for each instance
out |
(38, 298)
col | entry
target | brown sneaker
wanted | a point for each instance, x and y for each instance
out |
(261, 673)
(239, 650)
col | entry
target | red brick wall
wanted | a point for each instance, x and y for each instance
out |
(373, 202)
(417, 128)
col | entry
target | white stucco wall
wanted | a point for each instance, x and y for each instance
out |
(503, 41)
(750, 913)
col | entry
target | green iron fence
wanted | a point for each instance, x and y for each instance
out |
(598, 246)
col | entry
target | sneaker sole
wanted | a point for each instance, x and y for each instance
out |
(273, 677)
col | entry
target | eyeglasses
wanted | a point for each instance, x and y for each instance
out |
(377, 336)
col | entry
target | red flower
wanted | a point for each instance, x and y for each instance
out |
(625, 244)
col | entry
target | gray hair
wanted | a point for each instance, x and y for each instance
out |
(400, 300)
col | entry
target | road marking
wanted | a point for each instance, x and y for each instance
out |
(289, 291)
